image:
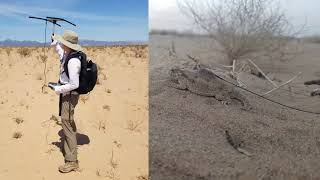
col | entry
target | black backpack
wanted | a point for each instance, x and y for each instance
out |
(88, 72)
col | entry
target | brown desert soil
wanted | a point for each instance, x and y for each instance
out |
(112, 120)
(187, 131)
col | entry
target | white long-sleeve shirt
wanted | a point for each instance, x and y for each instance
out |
(74, 66)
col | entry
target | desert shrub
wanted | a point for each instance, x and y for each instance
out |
(18, 120)
(24, 52)
(8, 51)
(43, 58)
(106, 107)
(17, 135)
(133, 125)
(242, 29)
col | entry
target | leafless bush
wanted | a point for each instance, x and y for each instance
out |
(24, 52)
(17, 135)
(8, 51)
(98, 81)
(143, 177)
(113, 162)
(106, 107)
(111, 173)
(101, 74)
(55, 119)
(102, 125)
(108, 91)
(242, 28)
(84, 98)
(18, 120)
(43, 58)
(133, 125)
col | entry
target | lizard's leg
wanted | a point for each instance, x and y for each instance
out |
(236, 94)
(222, 99)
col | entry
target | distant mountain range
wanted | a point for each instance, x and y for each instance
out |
(10, 42)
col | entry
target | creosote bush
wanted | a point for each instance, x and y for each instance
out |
(24, 51)
(243, 28)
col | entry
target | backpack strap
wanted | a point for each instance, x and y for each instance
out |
(75, 54)
(69, 105)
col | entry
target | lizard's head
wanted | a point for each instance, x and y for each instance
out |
(176, 73)
(178, 78)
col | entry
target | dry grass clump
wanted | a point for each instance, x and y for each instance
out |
(122, 50)
(111, 173)
(8, 51)
(143, 177)
(18, 120)
(98, 81)
(17, 135)
(114, 165)
(113, 162)
(140, 51)
(55, 119)
(103, 75)
(98, 173)
(24, 52)
(117, 144)
(102, 125)
(108, 91)
(99, 68)
(135, 51)
(43, 58)
(106, 107)
(100, 73)
(134, 125)
(84, 98)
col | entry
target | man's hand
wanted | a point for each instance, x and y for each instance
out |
(52, 37)
(53, 42)
(55, 88)
(315, 92)
(309, 82)
(57, 93)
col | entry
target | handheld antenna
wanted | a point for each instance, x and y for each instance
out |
(54, 21)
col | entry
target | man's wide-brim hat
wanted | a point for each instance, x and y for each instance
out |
(69, 39)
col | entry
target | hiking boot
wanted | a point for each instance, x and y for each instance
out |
(68, 167)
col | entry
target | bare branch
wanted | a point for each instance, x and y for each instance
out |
(264, 75)
(290, 80)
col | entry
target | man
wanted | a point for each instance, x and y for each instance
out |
(316, 91)
(69, 80)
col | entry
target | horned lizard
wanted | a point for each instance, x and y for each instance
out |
(205, 82)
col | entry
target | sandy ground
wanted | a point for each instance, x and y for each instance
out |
(187, 131)
(112, 120)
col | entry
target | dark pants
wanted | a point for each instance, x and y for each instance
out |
(66, 107)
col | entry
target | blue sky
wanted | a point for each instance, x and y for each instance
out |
(110, 20)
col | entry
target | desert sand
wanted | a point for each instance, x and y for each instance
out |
(187, 131)
(112, 120)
